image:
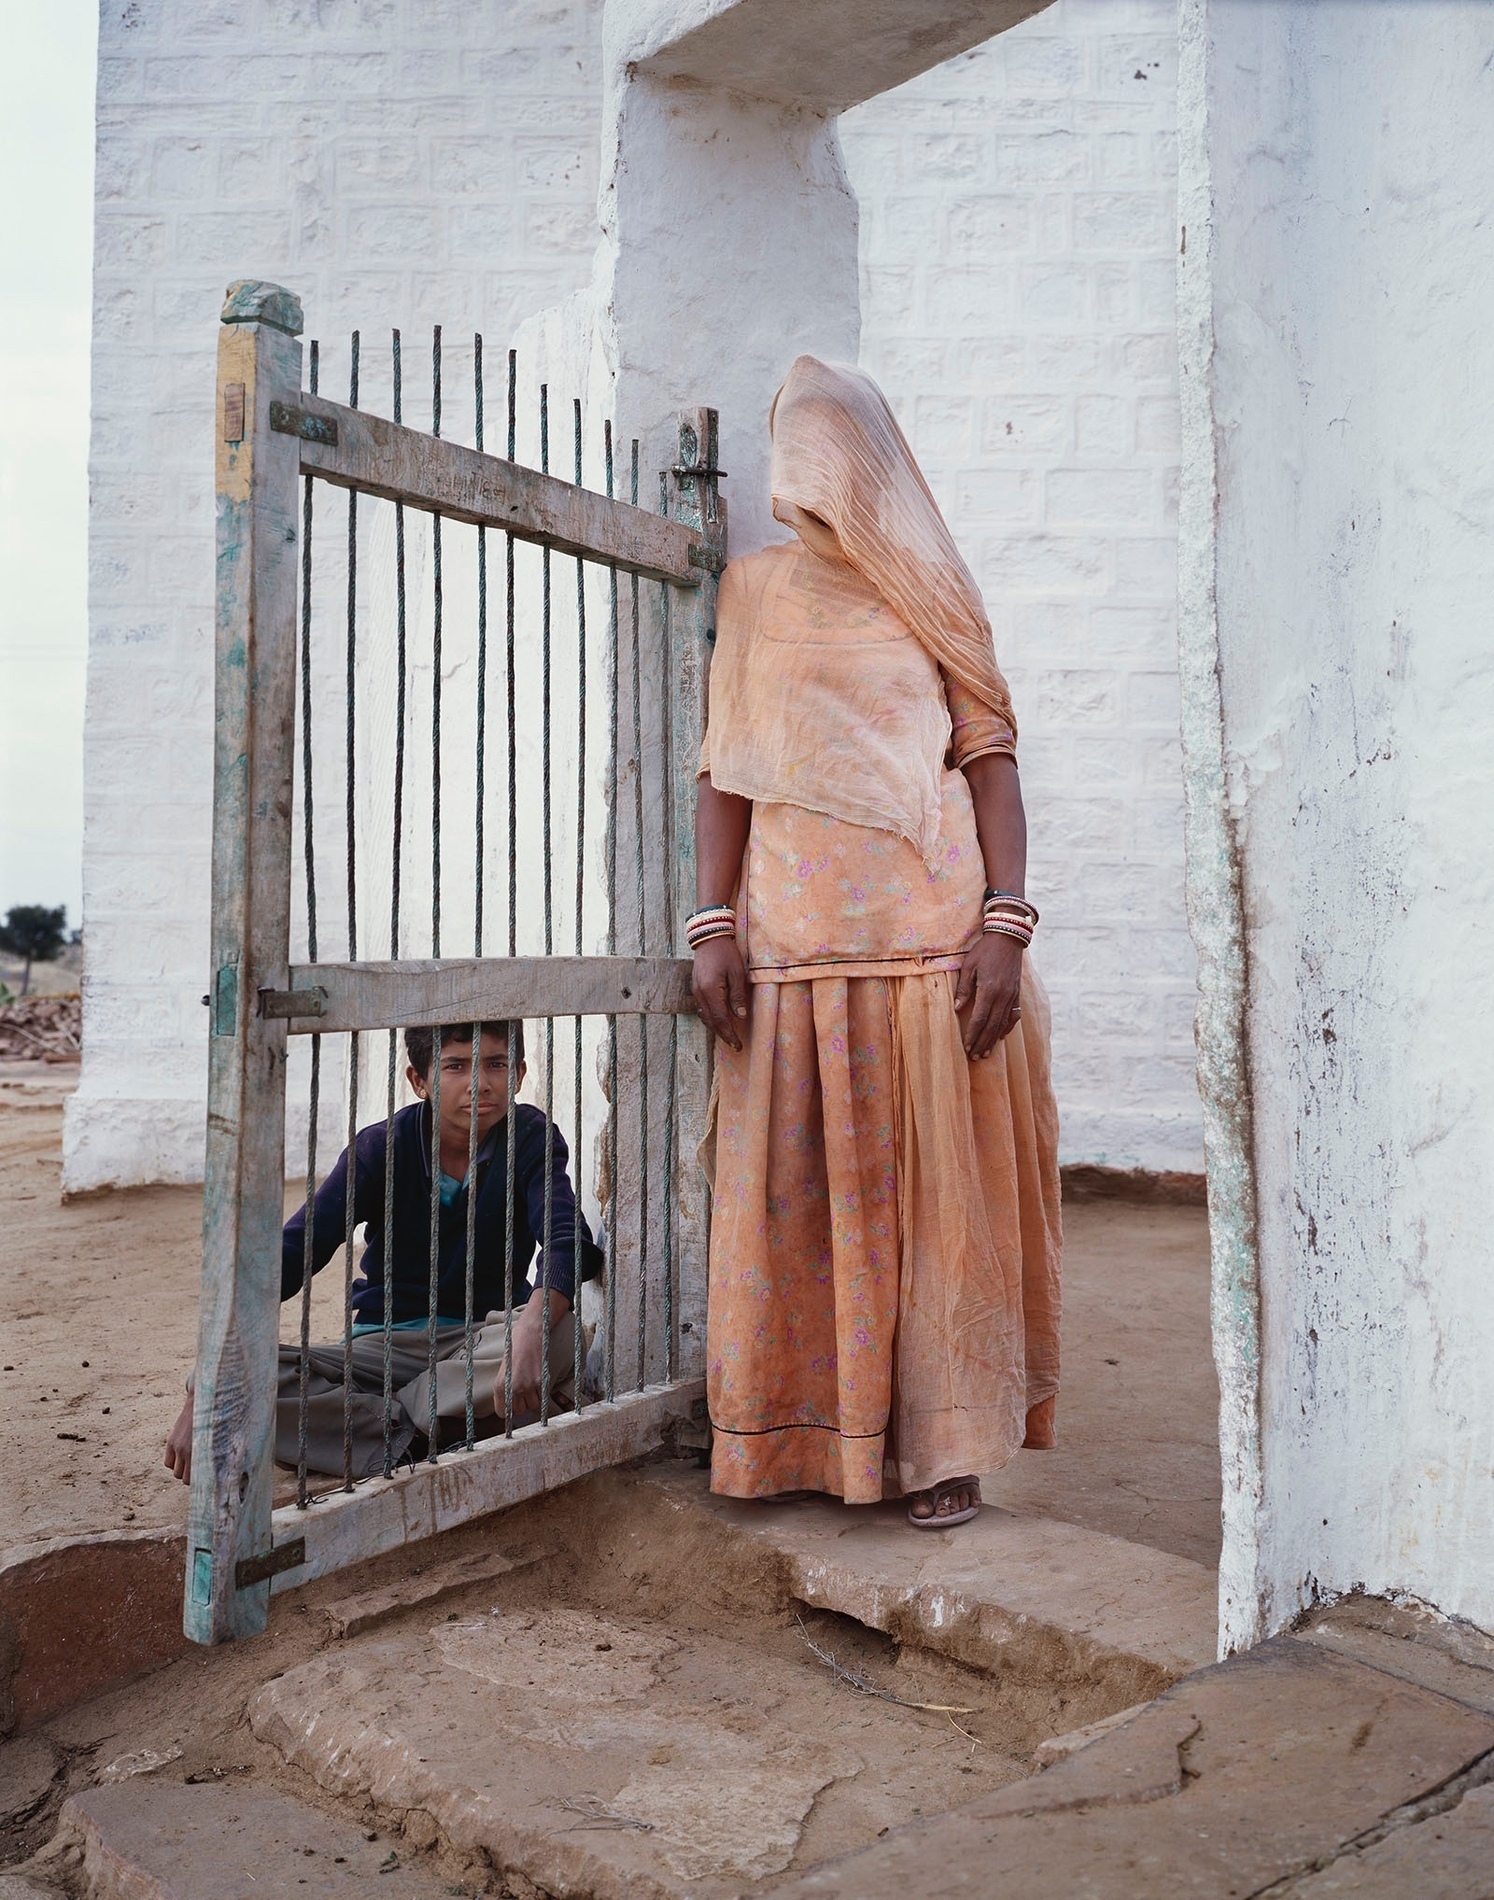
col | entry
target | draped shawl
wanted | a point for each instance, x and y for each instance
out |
(826, 689)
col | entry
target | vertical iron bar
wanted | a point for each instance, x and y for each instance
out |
(580, 940)
(309, 853)
(433, 1435)
(544, 1287)
(482, 682)
(436, 632)
(509, 1133)
(433, 1428)
(513, 759)
(353, 1042)
(482, 664)
(643, 1181)
(612, 1103)
(510, 1142)
(394, 902)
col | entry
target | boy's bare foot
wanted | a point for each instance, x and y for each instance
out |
(178, 1458)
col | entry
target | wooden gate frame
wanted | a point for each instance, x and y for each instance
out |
(269, 433)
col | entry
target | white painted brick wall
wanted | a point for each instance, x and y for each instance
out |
(1017, 233)
(412, 161)
(394, 162)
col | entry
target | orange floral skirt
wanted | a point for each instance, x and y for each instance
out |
(886, 1240)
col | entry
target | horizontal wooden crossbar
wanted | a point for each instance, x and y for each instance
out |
(378, 457)
(346, 1527)
(326, 997)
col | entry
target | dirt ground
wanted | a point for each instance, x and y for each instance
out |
(98, 1313)
(98, 1329)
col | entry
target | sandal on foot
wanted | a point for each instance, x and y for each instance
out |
(937, 1494)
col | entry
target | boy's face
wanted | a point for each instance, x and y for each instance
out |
(456, 1085)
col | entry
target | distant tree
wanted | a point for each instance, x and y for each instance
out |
(35, 933)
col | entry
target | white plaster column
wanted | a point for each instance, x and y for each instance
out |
(1338, 488)
(729, 228)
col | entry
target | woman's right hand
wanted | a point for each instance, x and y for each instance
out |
(720, 988)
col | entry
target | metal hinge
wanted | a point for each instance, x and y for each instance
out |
(249, 1571)
(282, 1005)
(286, 419)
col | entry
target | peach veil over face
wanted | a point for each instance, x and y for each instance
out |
(837, 705)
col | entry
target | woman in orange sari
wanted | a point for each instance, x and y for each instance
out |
(884, 1266)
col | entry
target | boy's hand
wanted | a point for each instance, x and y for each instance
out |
(178, 1458)
(528, 1361)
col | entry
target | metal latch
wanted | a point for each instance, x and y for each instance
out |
(249, 1571)
(286, 419)
(283, 1005)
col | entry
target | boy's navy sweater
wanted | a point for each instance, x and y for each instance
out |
(412, 1222)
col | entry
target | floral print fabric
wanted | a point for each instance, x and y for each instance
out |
(884, 1294)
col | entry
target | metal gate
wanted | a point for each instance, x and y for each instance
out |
(276, 443)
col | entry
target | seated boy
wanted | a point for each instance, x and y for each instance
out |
(409, 1275)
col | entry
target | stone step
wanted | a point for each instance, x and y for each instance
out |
(1285, 1770)
(601, 1755)
(160, 1838)
(1105, 1622)
(650, 1721)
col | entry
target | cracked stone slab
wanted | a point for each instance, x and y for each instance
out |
(1296, 1753)
(567, 1746)
(1002, 1592)
(1447, 1857)
(1059, 1747)
(1143, 1763)
(422, 1589)
(1419, 1646)
(158, 1838)
(27, 1768)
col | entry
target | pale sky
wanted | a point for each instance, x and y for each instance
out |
(46, 238)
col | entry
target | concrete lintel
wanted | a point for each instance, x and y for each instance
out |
(824, 55)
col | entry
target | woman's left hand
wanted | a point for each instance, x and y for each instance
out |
(988, 994)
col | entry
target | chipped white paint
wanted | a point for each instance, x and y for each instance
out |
(1214, 898)
(1339, 442)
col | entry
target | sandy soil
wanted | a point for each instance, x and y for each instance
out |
(98, 1314)
(98, 1329)
(1138, 1415)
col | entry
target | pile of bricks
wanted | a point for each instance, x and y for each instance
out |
(42, 1028)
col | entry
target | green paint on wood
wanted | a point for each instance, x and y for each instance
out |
(226, 1001)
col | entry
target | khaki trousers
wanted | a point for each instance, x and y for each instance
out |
(410, 1379)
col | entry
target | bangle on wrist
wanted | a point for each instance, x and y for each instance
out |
(713, 920)
(1007, 927)
(1011, 902)
(1004, 914)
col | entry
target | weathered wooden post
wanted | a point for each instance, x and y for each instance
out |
(229, 1561)
(692, 629)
